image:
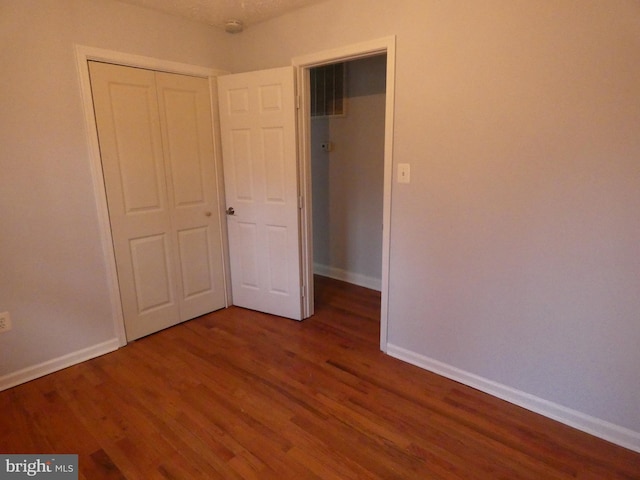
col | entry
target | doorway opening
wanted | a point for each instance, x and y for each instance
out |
(347, 170)
(328, 222)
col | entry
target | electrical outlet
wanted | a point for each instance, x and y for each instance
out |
(5, 322)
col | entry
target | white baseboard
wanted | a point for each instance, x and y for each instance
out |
(50, 366)
(600, 428)
(350, 277)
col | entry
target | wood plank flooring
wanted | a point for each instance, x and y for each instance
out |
(238, 394)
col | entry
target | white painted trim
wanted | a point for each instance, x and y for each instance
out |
(346, 276)
(83, 55)
(305, 177)
(600, 428)
(386, 45)
(91, 133)
(346, 53)
(50, 366)
(217, 146)
(389, 127)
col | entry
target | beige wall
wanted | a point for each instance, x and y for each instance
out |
(53, 276)
(515, 250)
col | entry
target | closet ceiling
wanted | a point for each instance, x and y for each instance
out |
(218, 12)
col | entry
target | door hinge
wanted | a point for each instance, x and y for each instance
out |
(297, 102)
(301, 202)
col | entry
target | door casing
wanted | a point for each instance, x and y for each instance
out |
(303, 64)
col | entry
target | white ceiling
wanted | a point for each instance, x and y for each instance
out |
(217, 12)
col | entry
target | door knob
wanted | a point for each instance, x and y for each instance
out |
(207, 214)
(231, 211)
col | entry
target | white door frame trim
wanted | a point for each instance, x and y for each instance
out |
(386, 45)
(83, 55)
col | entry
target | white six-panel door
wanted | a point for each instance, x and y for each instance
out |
(156, 146)
(258, 128)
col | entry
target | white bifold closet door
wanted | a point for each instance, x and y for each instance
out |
(156, 144)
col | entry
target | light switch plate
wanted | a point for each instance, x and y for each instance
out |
(404, 173)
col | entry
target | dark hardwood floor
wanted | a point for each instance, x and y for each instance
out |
(238, 394)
